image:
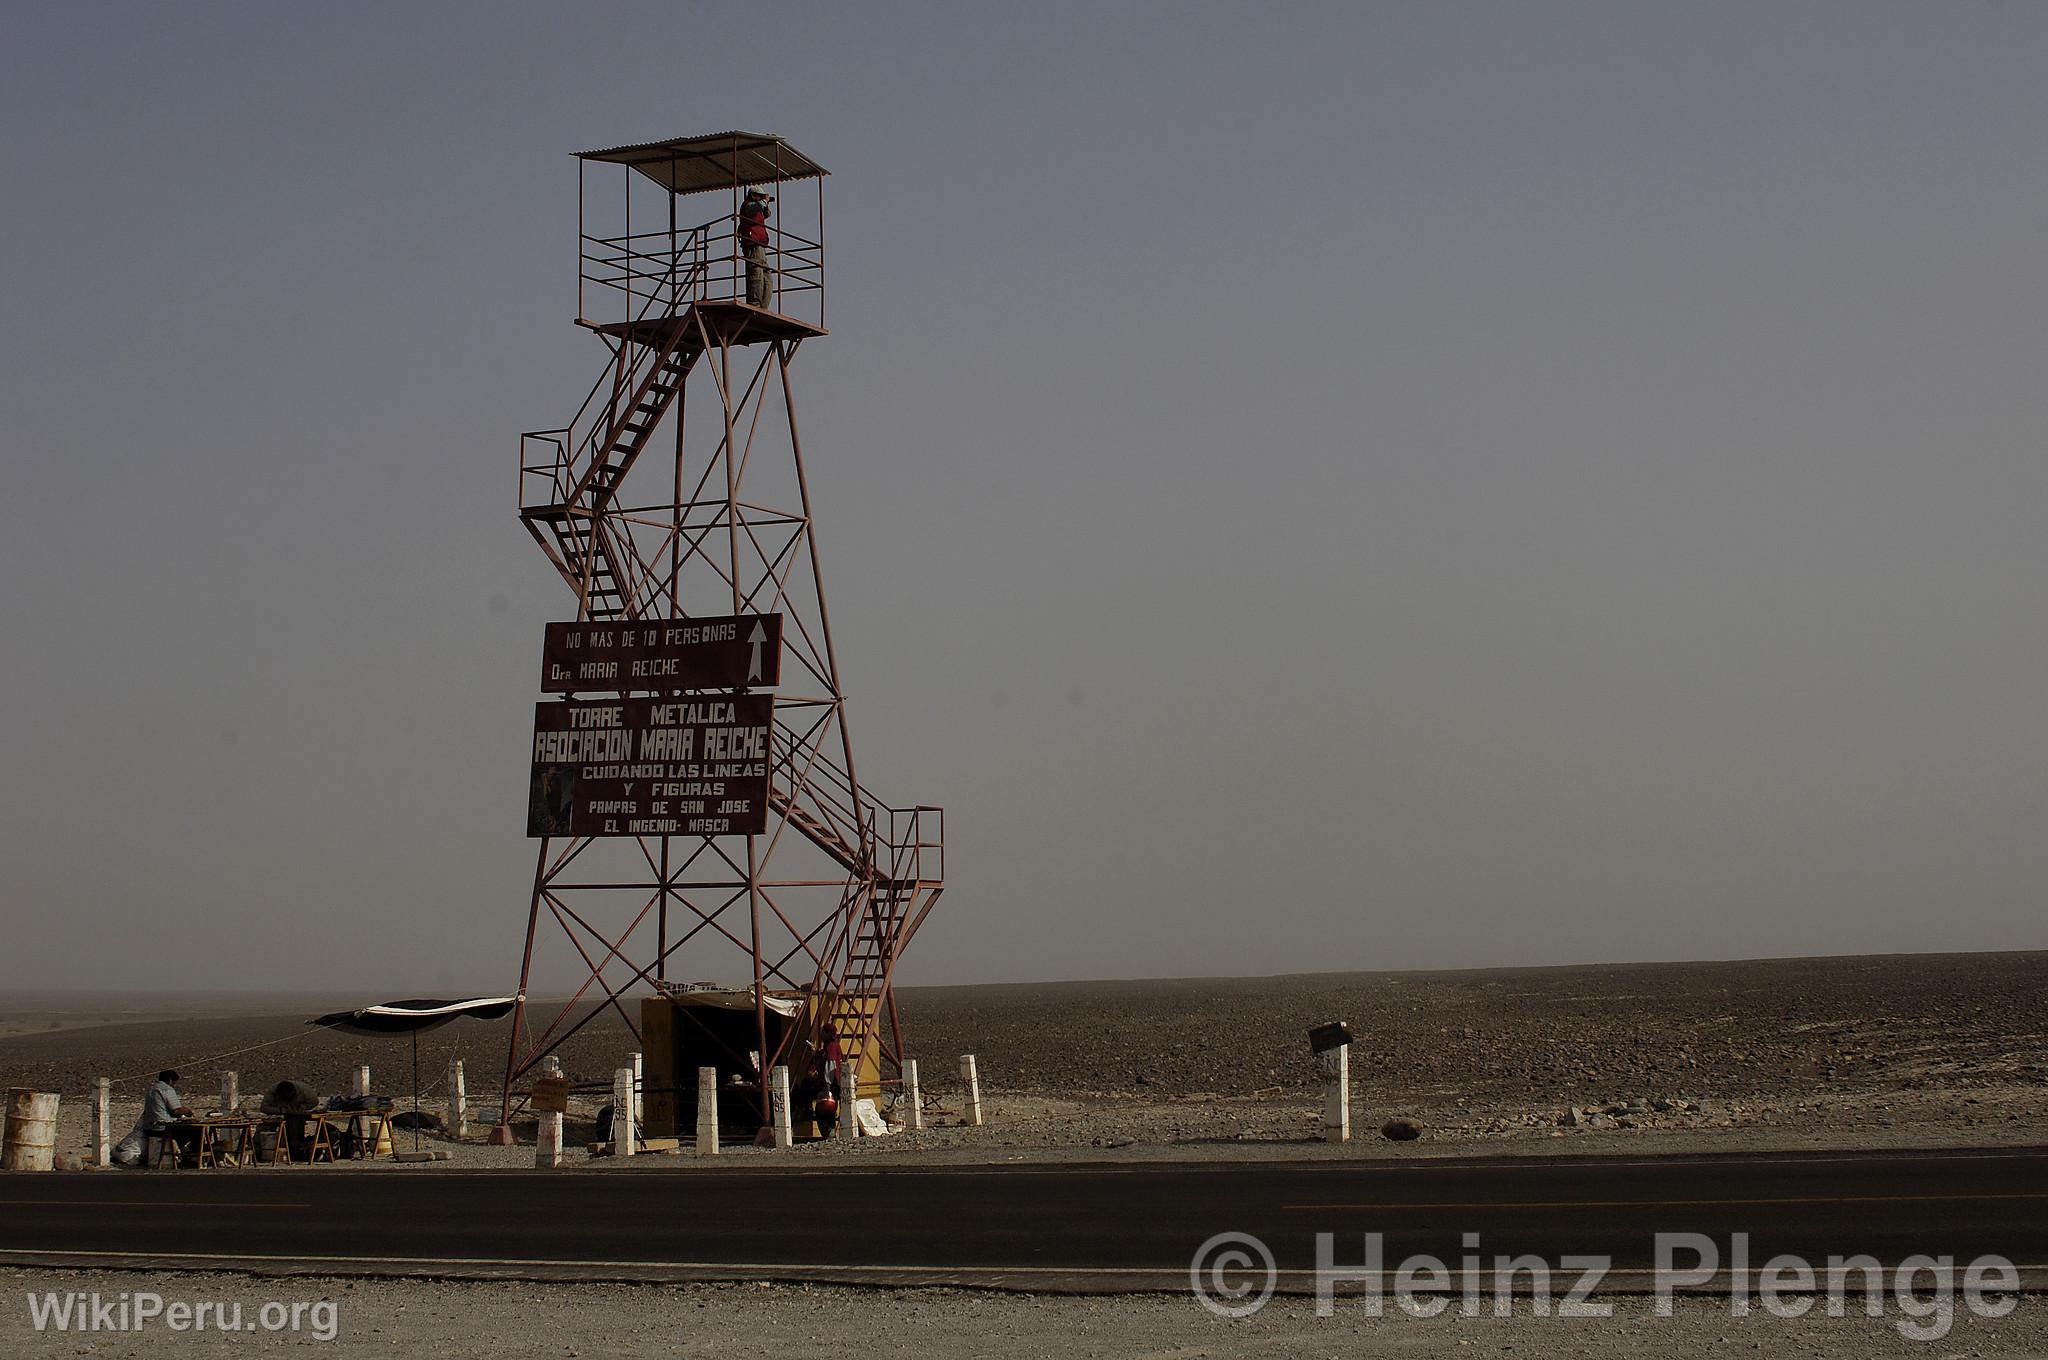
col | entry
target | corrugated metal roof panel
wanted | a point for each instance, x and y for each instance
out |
(691, 165)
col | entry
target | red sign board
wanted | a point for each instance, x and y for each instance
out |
(624, 655)
(695, 766)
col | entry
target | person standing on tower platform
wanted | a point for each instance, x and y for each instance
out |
(754, 245)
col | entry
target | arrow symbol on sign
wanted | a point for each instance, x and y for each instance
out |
(754, 658)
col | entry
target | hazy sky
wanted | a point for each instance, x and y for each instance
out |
(1306, 487)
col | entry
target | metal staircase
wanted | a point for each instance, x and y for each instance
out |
(566, 517)
(895, 888)
(870, 960)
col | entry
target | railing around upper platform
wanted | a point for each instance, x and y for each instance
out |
(552, 462)
(707, 263)
(655, 275)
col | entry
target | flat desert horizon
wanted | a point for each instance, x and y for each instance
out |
(1876, 1050)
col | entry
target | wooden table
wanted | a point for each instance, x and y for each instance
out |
(366, 1127)
(222, 1140)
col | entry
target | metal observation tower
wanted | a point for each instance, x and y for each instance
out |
(702, 830)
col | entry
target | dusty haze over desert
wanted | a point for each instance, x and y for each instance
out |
(1406, 487)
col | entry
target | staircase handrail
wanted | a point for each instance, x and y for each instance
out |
(588, 433)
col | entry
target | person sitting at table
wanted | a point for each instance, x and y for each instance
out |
(162, 1109)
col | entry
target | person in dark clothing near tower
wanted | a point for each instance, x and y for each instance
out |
(754, 245)
(818, 1092)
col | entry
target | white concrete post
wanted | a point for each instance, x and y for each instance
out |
(363, 1080)
(1336, 1065)
(849, 1097)
(625, 1138)
(707, 1112)
(458, 1101)
(102, 1129)
(778, 1107)
(639, 1089)
(547, 1142)
(970, 1077)
(914, 1120)
(230, 1092)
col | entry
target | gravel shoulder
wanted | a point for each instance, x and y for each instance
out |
(736, 1322)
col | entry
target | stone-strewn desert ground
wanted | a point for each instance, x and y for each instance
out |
(1892, 1050)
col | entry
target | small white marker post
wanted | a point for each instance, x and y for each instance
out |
(547, 1141)
(230, 1092)
(1336, 1067)
(363, 1080)
(707, 1112)
(913, 1120)
(102, 1129)
(639, 1089)
(970, 1077)
(458, 1101)
(625, 1138)
(778, 1107)
(849, 1102)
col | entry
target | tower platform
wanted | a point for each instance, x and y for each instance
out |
(730, 320)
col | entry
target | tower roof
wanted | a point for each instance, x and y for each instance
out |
(690, 165)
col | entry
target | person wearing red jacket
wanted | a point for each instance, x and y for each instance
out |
(753, 234)
(818, 1092)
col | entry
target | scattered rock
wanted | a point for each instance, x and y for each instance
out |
(1402, 1130)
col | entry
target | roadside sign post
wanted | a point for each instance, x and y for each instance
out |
(550, 1102)
(970, 1077)
(778, 1106)
(625, 1137)
(913, 1118)
(102, 1136)
(707, 1112)
(458, 1101)
(1331, 1043)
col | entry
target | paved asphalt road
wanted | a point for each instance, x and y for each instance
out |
(1100, 1226)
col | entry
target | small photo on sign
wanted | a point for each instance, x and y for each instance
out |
(551, 800)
